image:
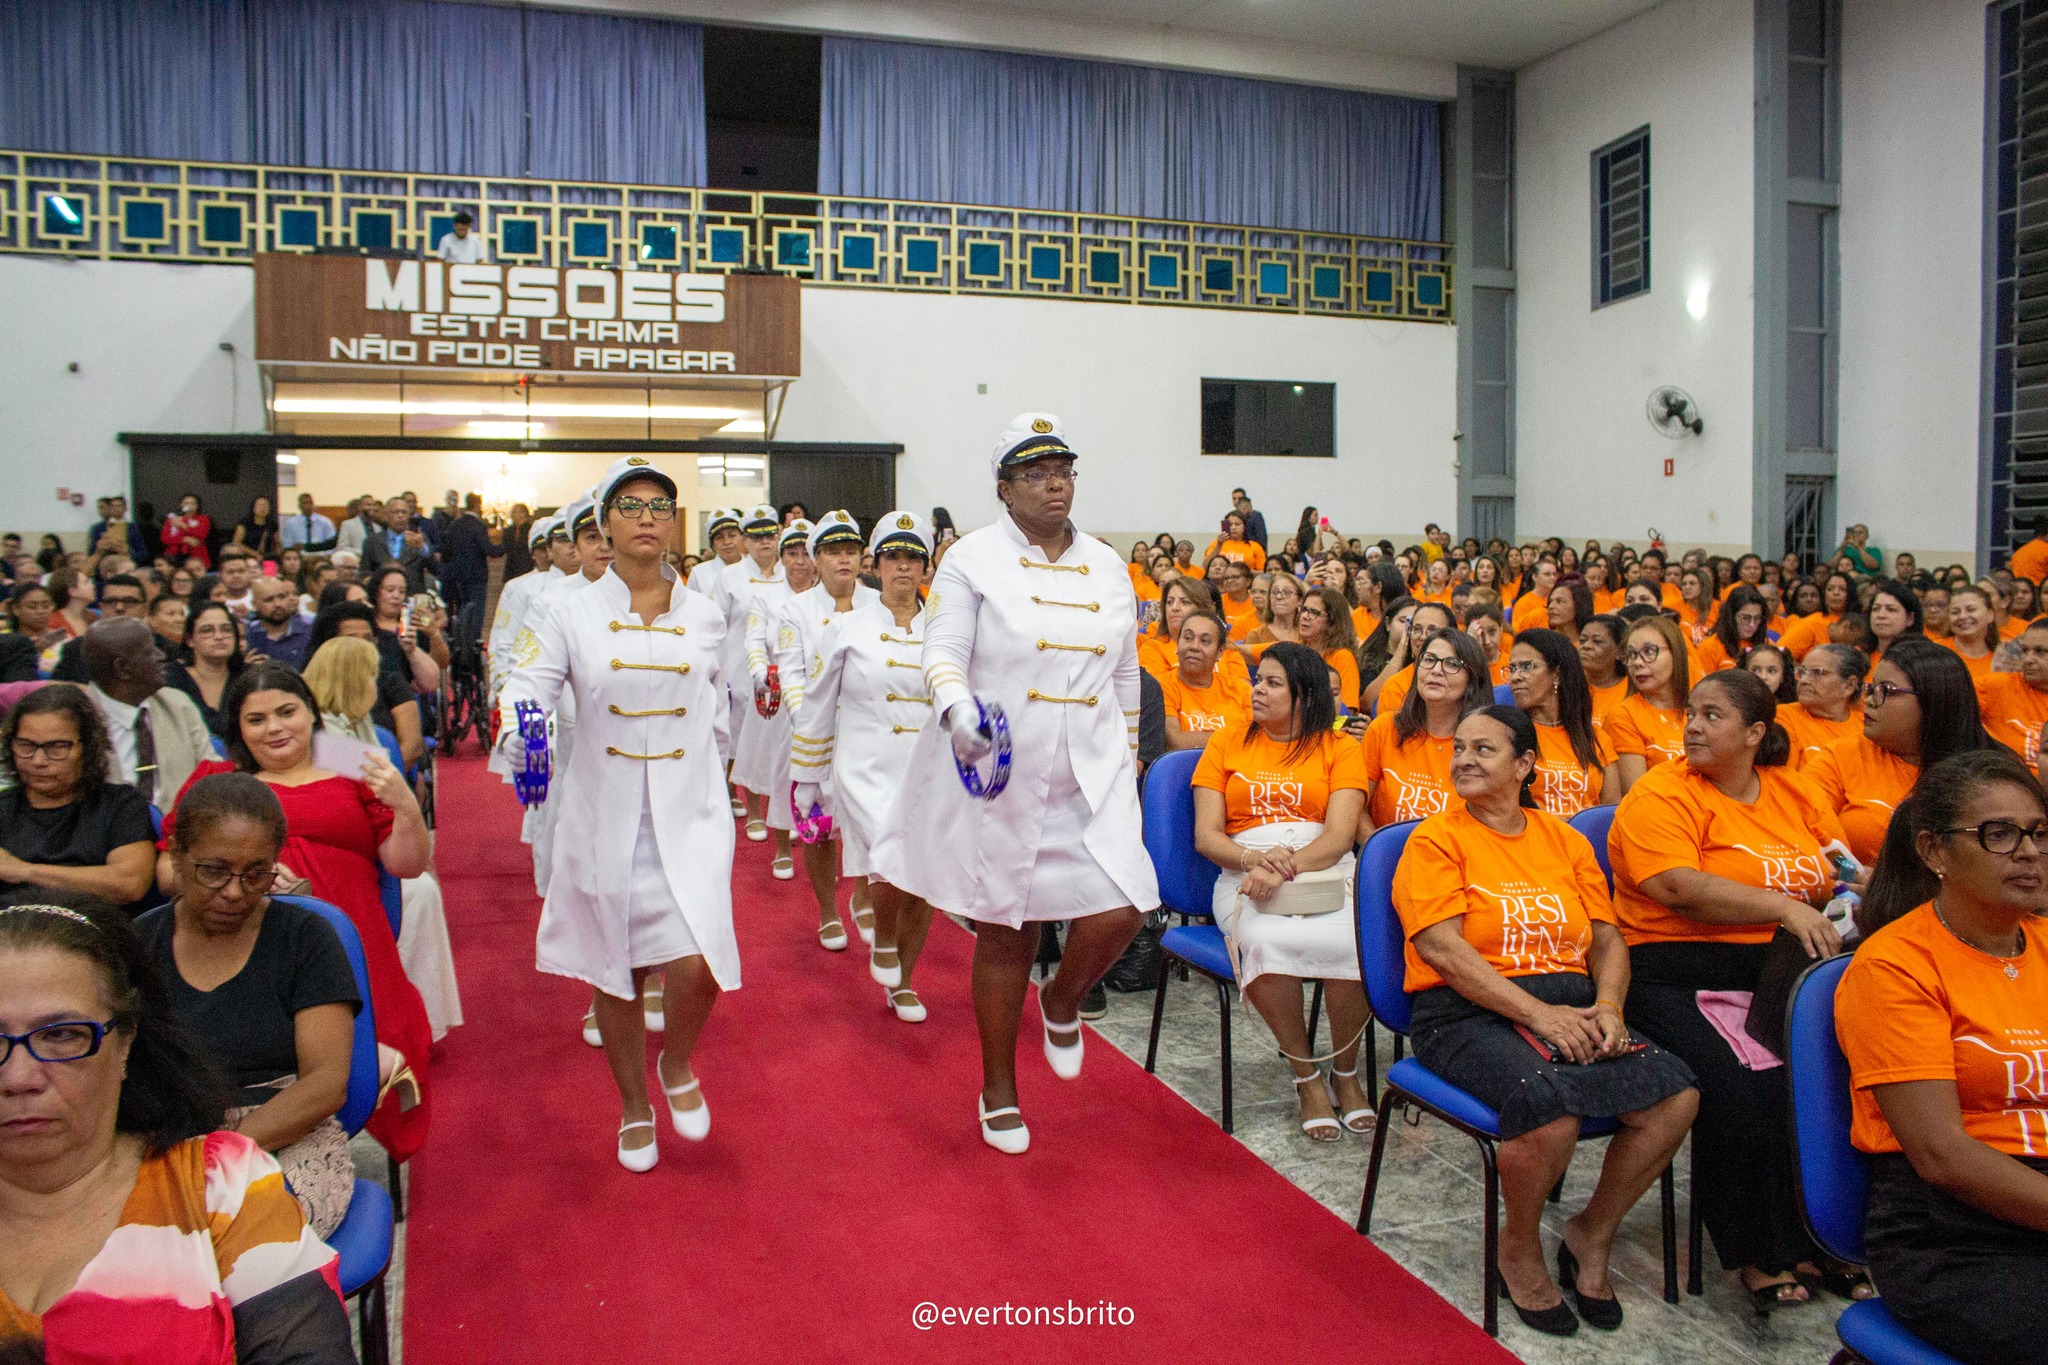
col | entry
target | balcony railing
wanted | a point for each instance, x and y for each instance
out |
(130, 209)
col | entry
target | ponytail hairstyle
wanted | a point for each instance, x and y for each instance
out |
(1901, 880)
(1521, 735)
(1574, 693)
(1755, 704)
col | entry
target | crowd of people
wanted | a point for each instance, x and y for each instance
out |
(1804, 759)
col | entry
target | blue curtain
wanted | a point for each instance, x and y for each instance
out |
(154, 78)
(616, 99)
(911, 121)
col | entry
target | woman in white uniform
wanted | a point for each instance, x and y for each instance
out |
(1030, 614)
(834, 548)
(860, 719)
(642, 879)
(760, 759)
(733, 591)
(728, 547)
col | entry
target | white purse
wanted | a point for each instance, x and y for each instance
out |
(1310, 893)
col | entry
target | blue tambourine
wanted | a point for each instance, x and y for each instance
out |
(531, 781)
(994, 724)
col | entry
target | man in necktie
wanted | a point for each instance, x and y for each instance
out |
(157, 733)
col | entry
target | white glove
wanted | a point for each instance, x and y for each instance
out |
(514, 746)
(962, 721)
(809, 794)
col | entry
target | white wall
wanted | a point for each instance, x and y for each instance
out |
(146, 340)
(1912, 233)
(1125, 381)
(1587, 461)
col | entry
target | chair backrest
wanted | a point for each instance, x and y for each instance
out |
(388, 889)
(1831, 1173)
(1380, 940)
(156, 819)
(1596, 822)
(362, 1069)
(1503, 695)
(1187, 880)
(220, 747)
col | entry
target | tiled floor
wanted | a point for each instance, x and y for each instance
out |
(371, 1165)
(1427, 1215)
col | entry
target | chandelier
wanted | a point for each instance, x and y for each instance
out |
(501, 491)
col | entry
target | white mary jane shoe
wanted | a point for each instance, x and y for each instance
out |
(637, 1159)
(590, 1033)
(866, 931)
(832, 937)
(757, 831)
(739, 808)
(911, 1013)
(783, 869)
(1063, 1058)
(1010, 1141)
(885, 976)
(691, 1124)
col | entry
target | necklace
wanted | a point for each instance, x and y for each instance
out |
(2012, 968)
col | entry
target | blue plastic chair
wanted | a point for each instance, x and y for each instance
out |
(1596, 822)
(1503, 695)
(1187, 882)
(388, 889)
(1833, 1176)
(363, 1241)
(1380, 952)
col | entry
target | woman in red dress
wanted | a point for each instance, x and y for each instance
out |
(338, 831)
(185, 532)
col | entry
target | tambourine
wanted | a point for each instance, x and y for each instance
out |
(531, 781)
(768, 697)
(993, 723)
(812, 827)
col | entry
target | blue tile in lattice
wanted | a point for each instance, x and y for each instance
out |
(985, 260)
(857, 251)
(728, 246)
(921, 255)
(1162, 271)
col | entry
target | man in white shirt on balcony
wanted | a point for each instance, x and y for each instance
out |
(461, 246)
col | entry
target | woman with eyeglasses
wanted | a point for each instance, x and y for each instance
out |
(1398, 677)
(1647, 727)
(1941, 1015)
(1325, 625)
(1739, 627)
(1829, 686)
(263, 986)
(63, 825)
(1280, 621)
(213, 660)
(1918, 708)
(1575, 767)
(1408, 751)
(1972, 635)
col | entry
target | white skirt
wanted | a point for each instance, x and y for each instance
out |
(424, 952)
(760, 761)
(656, 929)
(1312, 947)
(1066, 881)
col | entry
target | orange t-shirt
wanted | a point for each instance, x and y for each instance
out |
(1979, 665)
(1393, 691)
(1562, 785)
(1243, 551)
(1697, 624)
(2030, 560)
(1261, 786)
(1346, 664)
(1606, 698)
(1532, 612)
(1633, 726)
(1863, 785)
(1676, 818)
(1810, 733)
(1528, 901)
(1364, 622)
(1225, 704)
(1412, 780)
(1243, 617)
(1711, 657)
(1805, 632)
(2014, 712)
(2013, 628)
(1919, 1004)
(1605, 601)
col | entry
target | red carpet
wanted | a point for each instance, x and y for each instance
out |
(844, 1183)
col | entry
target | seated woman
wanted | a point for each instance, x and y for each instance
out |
(1399, 675)
(1948, 994)
(63, 825)
(1483, 622)
(264, 987)
(32, 614)
(344, 676)
(1600, 655)
(1325, 624)
(1281, 619)
(1918, 708)
(1830, 684)
(213, 654)
(396, 708)
(408, 624)
(1519, 974)
(1971, 632)
(339, 828)
(1408, 752)
(1711, 856)
(1893, 615)
(1201, 698)
(1274, 799)
(112, 1104)
(1575, 766)
(1647, 727)
(1738, 628)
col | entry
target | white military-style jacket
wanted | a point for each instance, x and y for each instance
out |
(515, 599)
(863, 705)
(1055, 643)
(704, 577)
(802, 622)
(650, 703)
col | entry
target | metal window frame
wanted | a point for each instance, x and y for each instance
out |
(1603, 246)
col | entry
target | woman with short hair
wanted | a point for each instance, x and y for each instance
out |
(343, 675)
(1829, 685)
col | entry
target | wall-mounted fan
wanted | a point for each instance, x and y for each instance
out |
(1674, 414)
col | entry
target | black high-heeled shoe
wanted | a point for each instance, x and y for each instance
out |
(1558, 1320)
(1604, 1314)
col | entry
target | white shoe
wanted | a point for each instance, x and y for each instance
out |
(832, 937)
(866, 931)
(693, 1124)
(590, 1033)
(638, 1159)
(657, 1020)
(912, 1012)
(739, 807)
(1012, 1141)
(757, 830)
(783, 868)
(885, 976)
(1063, 1058)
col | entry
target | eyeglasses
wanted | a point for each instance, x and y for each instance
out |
(124, 600)
(214, 876)
(1876, 694)
(2002, 837)
(1440, 663)
(661, 509)
(1643, 654)
(1522, 668)
(1039, 472)
(56, 750)
(74, 1040)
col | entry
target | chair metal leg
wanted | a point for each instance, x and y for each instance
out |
(1315, 1011)
(373, 1324)
(1158, 1014)
(1490, 1270)
(1385, 1103)
(395, 1174)
(1667, 1195)
(1400, 1046)
(1694, 1242)
(1370, 1054)
(1223, 1010)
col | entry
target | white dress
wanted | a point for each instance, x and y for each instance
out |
(642, 858)
(863, 705)
(1056, 645)
(537, 825)
(733, 592)
(704, 578)
(760, 757)
(1312, 947)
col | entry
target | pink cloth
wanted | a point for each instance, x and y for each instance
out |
(11, 693)
(1728, 1012)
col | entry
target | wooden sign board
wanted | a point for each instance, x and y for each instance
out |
(364, 311)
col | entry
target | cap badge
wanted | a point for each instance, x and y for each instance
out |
(1042, 426)
(635, 461)
(906, 523)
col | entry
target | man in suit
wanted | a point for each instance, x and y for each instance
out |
(397, 543)
(309, 530)
(126, 538)
(466, 552)
(361, 525)
(158, 736)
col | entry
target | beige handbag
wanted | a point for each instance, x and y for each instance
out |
(1310, 893)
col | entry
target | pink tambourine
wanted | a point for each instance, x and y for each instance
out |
(812, 827)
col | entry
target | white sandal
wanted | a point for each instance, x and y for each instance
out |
(832, 937)
(1354, 1120)
(866, 931)
(590, 1033)
(1011, 1141)
(757, 830)
(637, 1159)
(692, 1124)
(653, 1010)
(912, 1013)
(783, 869)
(1316, 1126)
